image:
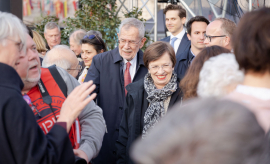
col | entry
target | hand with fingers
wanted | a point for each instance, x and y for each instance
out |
(75, 103)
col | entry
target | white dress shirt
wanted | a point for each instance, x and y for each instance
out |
(178, 41)
(257, 92)
(132, 68)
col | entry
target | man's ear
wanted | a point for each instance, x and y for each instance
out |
(143, 41)
(227, 41)
(188, 36)
(183, 20)
(101, 51)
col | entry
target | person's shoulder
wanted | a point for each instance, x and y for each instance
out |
(137, 85)
(166, 39)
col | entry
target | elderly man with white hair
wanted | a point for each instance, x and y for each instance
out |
(75, 42)
(22, 140)
(219, 76)
(63, 57)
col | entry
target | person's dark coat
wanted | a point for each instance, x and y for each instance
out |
(182, 63)
(22, 140)
(184, 44)
(133, 119)
(106, 71)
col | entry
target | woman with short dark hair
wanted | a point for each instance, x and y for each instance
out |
(149, 99)
(91, 46)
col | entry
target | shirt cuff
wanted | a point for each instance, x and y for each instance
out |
(63, 124)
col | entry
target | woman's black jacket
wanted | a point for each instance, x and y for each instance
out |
(132, 121)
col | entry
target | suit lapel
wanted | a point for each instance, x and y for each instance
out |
(183, 44)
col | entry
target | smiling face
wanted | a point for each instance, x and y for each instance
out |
(173, 22)
(130, 42)
(88, 52)
(197, 35)
(29, 65)
(161, 70)
(53, 37)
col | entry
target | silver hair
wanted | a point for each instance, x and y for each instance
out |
(60, 62)
(93, 32)
(11, 26)
(204, 131)
(78, 35)
(133, 22)
(50, 26)
(218, 74)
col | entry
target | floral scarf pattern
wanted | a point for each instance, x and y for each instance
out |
(156, 97)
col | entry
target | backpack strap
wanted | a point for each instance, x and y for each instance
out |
(58, 78)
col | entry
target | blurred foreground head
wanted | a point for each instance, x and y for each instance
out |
(206, 131)
(251, 42)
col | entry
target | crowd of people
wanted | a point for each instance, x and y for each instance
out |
(200, 95)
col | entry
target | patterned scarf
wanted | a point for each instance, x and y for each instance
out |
(156, 99)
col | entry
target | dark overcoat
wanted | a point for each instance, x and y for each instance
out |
(132, 122)
(106, 71)
(182, 63)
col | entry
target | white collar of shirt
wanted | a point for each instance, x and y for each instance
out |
(192, 53)
(132, 68)
(180, 35)
(178, 41)
(257, 92)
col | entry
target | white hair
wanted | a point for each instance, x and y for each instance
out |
(133, 22)
(93, 32)
(11, 26)
(58, 61)
(217, 74)
(50, 26)
(78, 35)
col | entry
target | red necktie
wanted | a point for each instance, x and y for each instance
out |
(127, 76)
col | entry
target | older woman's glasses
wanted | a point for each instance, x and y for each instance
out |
(210, 37)
(131, 43)
(163, 67)
(91, 37)
(19, 44)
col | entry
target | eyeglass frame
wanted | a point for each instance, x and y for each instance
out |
(210, 37)
(162, 66)
(20, 44)
(129, 42)
(80, 68)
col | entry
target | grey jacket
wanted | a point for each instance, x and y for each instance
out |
(91, 121)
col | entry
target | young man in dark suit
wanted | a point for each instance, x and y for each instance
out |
(175, 19)
(196, 28)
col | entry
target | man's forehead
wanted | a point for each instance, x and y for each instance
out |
(30, 42)
(130, 33)
(213, 28)
(172, 14)
(52, 31)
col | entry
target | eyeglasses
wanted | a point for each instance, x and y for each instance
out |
(78, 67)
(163, 67)
(91, 37)
(132, 43)
(210, 37)
(18, 44)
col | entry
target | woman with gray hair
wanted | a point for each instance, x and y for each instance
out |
(219, 76)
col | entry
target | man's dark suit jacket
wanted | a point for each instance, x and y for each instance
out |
(182, 63)
(184, 44)
(106, 71)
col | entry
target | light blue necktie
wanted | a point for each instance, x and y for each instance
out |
(173, 40)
